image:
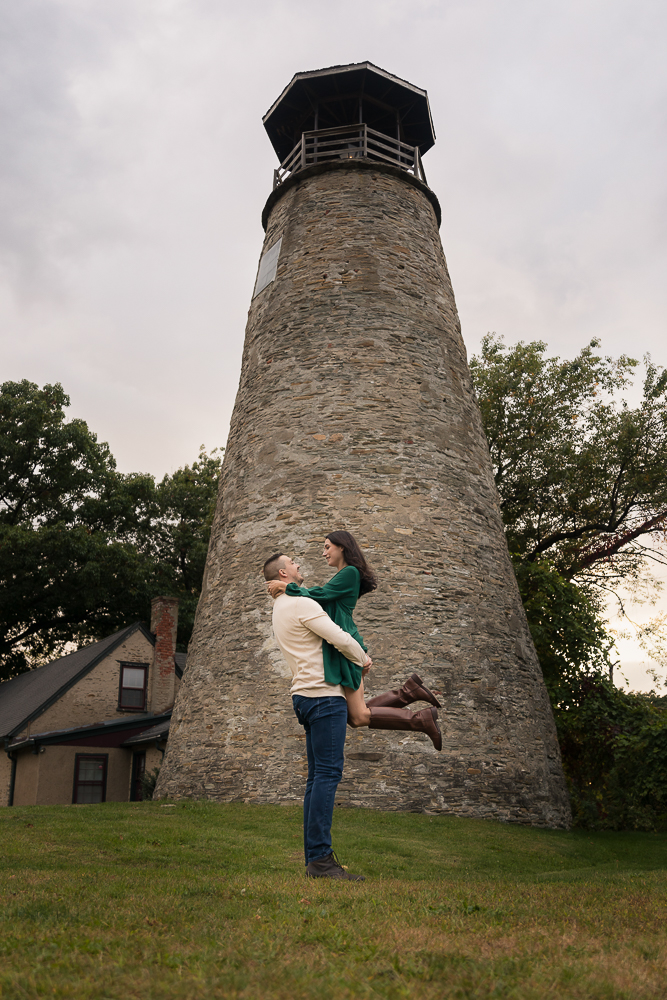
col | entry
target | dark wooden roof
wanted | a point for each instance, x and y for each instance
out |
(336, 92)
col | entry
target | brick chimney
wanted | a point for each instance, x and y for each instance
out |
(164, 622)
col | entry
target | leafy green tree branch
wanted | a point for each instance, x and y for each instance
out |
(84, 548)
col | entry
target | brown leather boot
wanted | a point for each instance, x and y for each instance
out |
(416, 722)
(414, 689)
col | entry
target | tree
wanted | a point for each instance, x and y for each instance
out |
(582, 479)
(84, 548)
(571, 638)
(582, 476)
(178, 541)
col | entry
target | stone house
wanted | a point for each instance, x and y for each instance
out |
(86, 727)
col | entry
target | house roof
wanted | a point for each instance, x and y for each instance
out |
(160, 731)
(336, 91)
(25, 697)
(110, 733)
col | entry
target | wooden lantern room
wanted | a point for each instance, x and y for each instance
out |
(348, 112)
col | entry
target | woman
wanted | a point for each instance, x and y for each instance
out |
(353, 578)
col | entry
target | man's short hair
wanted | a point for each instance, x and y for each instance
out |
(272, 566)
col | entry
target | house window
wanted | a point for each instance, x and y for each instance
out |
(90, 778)
(132, 691)
(138, 770)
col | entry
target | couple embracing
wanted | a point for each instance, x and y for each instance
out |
(328, 661)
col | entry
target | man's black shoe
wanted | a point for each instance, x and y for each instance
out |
(329, 867)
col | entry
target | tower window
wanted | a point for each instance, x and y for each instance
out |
(267, 267)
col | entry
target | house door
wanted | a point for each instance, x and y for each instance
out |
(138, 768)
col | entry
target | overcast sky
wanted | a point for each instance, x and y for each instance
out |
(134, 168)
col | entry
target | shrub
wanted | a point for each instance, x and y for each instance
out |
(614, 747)
(148, 783)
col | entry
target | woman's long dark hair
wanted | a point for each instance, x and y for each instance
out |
(355, 557)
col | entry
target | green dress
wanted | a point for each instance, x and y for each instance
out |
(338, 598)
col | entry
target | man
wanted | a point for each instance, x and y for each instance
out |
(300, 625)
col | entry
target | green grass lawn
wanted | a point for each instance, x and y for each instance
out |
(197, 900)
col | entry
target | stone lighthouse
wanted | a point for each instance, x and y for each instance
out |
(356, 410)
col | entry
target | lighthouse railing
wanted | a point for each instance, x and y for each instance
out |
(349, 142)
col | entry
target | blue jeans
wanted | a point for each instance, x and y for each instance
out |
(325, 722)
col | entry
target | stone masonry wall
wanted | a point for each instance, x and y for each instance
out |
(356, 410)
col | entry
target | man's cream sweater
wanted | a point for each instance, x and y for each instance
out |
(299, 625)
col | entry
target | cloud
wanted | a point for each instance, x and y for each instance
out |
(134, 169)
